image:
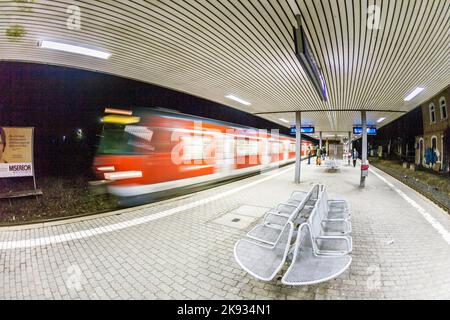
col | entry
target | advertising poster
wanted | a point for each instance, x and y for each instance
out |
(16, 152)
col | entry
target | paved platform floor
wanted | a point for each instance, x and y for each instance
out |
(183, 248)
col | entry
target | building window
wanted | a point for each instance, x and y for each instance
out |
(434, 143)
(443, 105)
(432, 113)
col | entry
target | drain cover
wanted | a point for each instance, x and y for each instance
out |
(235, 221)
(251, 211)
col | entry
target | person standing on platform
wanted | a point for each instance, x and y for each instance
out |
(319, 157)
(355, 156)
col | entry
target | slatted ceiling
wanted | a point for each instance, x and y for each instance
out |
(245, 47)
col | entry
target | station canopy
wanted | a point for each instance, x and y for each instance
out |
(372, 53)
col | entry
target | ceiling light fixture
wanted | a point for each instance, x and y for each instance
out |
(284, 120)
(230, 96)
(381, 120)
(414, 94)
(73, 49)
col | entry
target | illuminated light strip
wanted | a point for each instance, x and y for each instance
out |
(123, 175)
(246, 103)
(434, 223)
(111, 168)
(119, 111)
(73, 49)
(414, 94)
(66, 237)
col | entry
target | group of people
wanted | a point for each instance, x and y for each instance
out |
(321, 154)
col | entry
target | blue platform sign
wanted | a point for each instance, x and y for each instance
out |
(371, 131)
(304, 130)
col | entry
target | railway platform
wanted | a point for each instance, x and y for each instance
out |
(183, 248)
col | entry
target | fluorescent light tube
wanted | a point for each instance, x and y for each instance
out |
(414, 94)
(230, 96)
(381, 120)
(284, 120)
(73, 49)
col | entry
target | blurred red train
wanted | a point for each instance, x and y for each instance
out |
(151, 151)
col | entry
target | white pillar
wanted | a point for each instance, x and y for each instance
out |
(298, 146)
(364, 136)
(364, 144)
(320, 142)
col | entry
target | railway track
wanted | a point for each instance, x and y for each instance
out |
(408, 182)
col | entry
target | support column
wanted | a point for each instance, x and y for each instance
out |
(350, 147)
(320, 142)
(298, 146)
(364, 145)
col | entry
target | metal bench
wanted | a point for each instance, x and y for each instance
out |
(307, 267)
(297, 198)
(264, 261)
(336, 208)
(328, 242)
(318, 254)
(274, 221)
(21, 194)
(332, 164)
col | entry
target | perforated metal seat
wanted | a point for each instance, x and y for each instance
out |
(336, 208)
(307, 267)
(332, 226)
(327, 243)
(264, 261)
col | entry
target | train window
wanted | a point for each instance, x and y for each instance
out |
(246, 147)
(196, 147)
(140, 137)
(292, 147)
(275, 147)
(121, 139)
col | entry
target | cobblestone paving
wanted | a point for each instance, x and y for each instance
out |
(397, 253)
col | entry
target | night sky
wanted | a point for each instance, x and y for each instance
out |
(58, 101)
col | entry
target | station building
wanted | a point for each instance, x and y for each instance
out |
(435, 141)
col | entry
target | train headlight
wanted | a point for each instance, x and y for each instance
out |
(123, 175)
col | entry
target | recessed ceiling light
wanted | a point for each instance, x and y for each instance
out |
(414, 94)
(230, 96)
(284, 120)
(73, 49)
(381, 120)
